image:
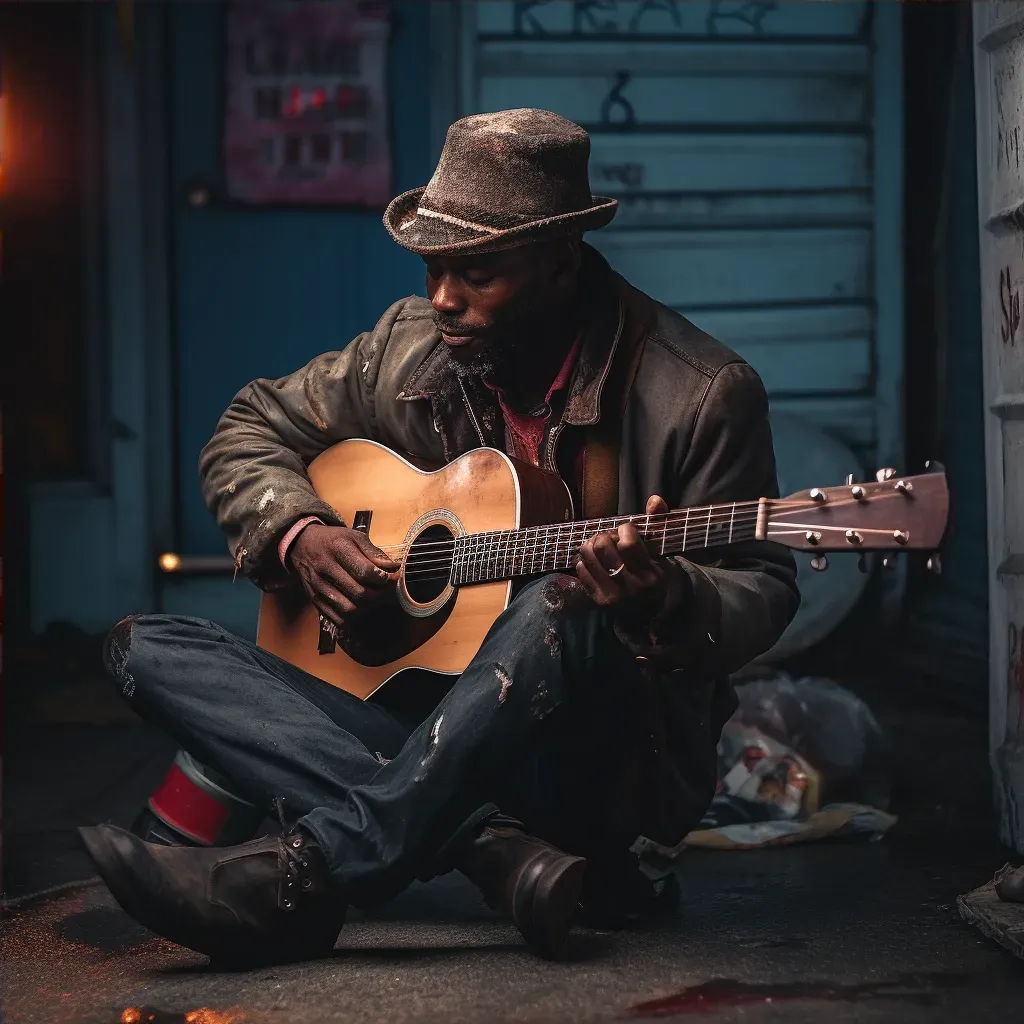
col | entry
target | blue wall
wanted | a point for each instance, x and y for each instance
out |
(259, 292)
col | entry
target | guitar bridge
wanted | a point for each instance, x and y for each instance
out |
(327, 641)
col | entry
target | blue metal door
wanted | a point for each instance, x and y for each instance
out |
(260, 291)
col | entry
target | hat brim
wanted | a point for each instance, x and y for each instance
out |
(430, 236)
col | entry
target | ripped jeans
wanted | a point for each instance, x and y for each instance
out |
(539, 725)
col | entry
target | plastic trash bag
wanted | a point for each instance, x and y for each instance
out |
(808, 741)
(800, 759)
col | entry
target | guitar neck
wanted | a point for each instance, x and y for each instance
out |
(507, 554)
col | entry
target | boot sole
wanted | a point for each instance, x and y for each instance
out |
(552, 908)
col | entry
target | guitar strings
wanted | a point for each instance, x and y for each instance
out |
(441, 567)
(543, 540)
(542, 543)
(434, 567)
(698, 519)
(697, 511)
(553, 542)
(776, 507)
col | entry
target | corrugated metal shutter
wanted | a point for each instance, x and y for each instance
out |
(740, 138)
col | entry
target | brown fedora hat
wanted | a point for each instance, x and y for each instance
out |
(504, 179)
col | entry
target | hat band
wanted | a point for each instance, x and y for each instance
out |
(422, 211)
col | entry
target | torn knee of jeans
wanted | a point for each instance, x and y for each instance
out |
(505, 680)
(432, 743)
(553, 641)
(116, 650)
(561, 591)
(542, 703)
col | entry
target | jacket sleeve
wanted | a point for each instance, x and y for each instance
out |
(253, 470)
(736, 601)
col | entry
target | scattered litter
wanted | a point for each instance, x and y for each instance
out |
(801, 759)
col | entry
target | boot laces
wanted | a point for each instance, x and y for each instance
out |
(297, 874)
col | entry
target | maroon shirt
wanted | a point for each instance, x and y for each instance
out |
(526, 431)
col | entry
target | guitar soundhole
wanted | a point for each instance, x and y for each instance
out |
(428, 565)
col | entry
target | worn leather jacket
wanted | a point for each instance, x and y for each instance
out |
(695, 431)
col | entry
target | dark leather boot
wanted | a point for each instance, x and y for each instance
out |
(534, 883)
(266, 901)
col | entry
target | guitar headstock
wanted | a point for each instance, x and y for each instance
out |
(889, 513)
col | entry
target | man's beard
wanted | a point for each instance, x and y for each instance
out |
(506, 342)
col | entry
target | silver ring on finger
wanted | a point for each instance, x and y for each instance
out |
(617, 570)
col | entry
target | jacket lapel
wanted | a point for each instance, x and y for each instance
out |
(467, 414)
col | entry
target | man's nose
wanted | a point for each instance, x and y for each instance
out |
(446, 297)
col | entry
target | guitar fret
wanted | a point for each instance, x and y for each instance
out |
(529, 551)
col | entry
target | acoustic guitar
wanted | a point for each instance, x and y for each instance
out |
(464, 532)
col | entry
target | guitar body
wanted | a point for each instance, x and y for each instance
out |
(433, 626)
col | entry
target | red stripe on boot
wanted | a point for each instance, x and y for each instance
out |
(189, 809)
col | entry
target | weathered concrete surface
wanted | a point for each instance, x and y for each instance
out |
(997, 919)
(843, 932)
(857, 932)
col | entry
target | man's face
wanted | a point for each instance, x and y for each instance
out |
(492, 309)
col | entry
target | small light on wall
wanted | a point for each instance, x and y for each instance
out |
(170, 562)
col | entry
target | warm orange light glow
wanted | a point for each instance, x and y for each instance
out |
(3, 139)
(204, 1015)
(170, 562)
(131, 1015)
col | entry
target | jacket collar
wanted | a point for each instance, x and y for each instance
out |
(454, 400)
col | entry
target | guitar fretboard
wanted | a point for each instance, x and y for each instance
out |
(506, 554)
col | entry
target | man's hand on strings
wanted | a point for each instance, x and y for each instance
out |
(618, 571)
(342, 571)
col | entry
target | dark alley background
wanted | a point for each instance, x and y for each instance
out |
(799, 179)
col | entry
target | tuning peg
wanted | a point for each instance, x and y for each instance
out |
(862, 563)
(849, 479)
(934, 564)
(817, 494)
(819, 563)
(889, 562)
(887, 473)
(933, 466)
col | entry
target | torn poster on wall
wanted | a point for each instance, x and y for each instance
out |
(307, 105)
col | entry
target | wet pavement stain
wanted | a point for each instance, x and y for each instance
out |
(722, 993)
